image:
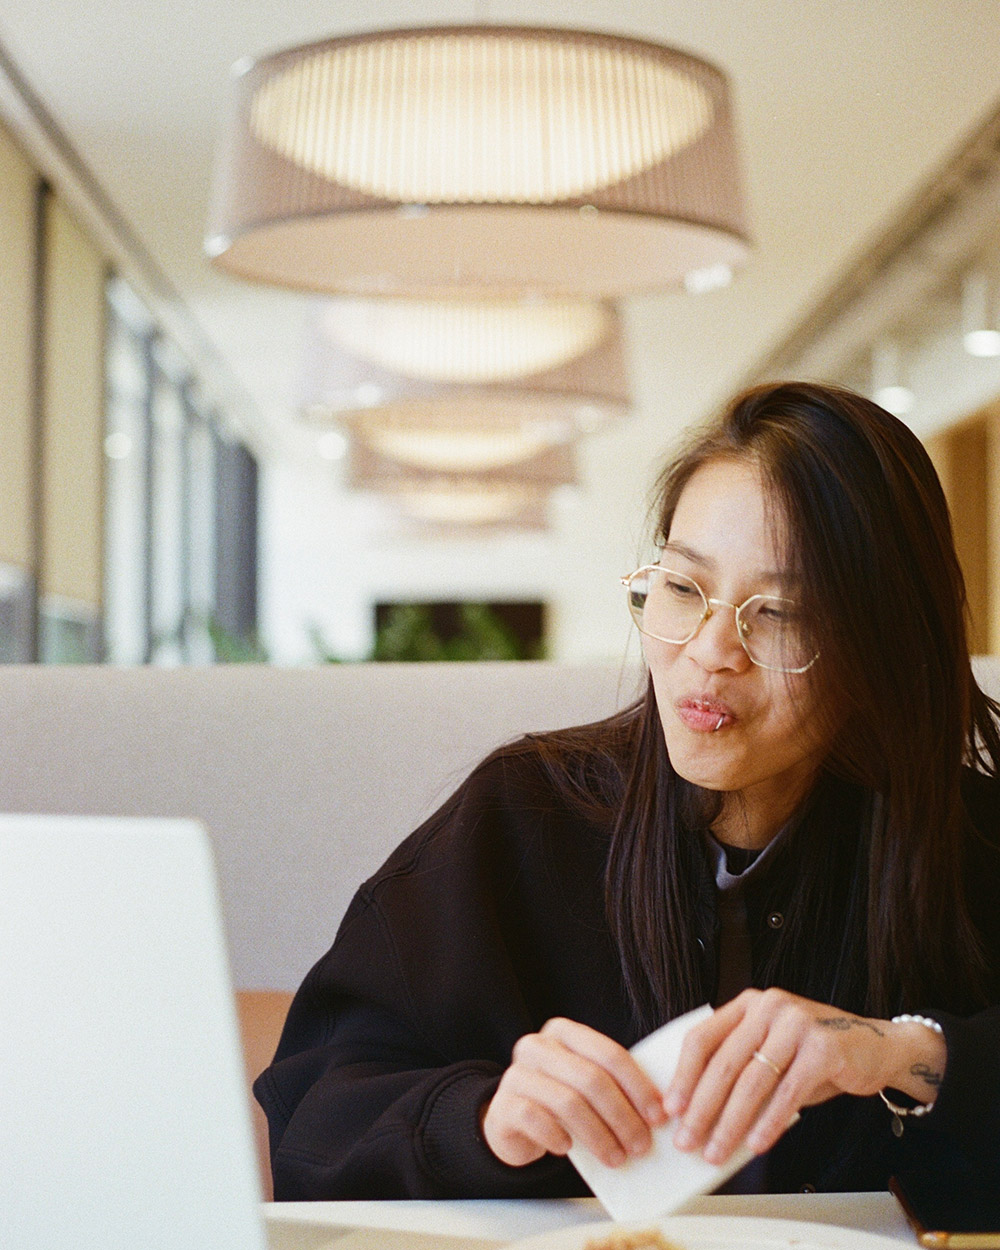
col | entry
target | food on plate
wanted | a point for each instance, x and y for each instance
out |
(632, 1239)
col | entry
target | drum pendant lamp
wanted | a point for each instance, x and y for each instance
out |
(497, 160)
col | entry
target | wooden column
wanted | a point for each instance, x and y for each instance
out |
(18, 189)
(962, 456)
(993, 528)
(73, 413)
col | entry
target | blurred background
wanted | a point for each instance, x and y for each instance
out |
(189, 468)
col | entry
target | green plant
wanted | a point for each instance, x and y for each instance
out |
(408, 633)
(233, 648)
(483, 636)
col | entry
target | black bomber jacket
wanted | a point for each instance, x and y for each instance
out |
(489, 920)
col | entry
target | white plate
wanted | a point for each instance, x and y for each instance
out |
(719, 1232)
(285, 1233)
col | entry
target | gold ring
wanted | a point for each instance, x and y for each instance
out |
(768, 1063)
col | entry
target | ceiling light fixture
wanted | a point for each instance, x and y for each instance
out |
(980, 337)
(459, 447)
(455, 504)
(501, 496)
(369, 470)
(888, 389)
(497, 159)
(474, 341)
(332, 445)
(711, 278)
(495, 415)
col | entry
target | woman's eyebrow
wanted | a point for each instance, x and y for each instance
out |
(777, 576)
(689, 553)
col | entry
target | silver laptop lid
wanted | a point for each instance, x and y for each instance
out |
(123, 1113)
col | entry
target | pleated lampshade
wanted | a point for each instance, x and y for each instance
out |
(465, 386)
(495, 159)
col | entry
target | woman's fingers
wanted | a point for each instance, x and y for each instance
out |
(801, 1087)
(584, 1093)
(777, 1114)
(522, 1130)
(597, 1127)
(742, 1075)
(745, 1072)
(570, 1084)
(614, 1059)
(756, 1084)
(699, 1045)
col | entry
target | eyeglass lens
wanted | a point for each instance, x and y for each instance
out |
(671, 607)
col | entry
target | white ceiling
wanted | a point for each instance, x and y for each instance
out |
(844, 107)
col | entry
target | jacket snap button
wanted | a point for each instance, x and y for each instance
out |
(776, 920)
(808, 1189)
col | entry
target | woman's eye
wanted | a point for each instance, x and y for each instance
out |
(680, 589)
(779, 613)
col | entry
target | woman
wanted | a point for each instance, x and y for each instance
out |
(798, 823)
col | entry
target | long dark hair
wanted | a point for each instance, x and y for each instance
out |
(878, 879)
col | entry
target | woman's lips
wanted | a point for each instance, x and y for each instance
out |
(704, 715)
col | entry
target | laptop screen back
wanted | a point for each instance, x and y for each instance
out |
(123, 1113)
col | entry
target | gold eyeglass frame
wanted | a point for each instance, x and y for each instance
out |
(742, 629)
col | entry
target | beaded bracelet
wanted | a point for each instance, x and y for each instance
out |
(923, 1107)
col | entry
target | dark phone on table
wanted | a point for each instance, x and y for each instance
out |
(946, 1215)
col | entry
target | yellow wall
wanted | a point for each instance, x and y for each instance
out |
(18, 185)
(73, 408)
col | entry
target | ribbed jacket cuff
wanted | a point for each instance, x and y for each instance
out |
(456, 1154)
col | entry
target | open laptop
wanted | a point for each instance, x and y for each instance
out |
(124, 1122)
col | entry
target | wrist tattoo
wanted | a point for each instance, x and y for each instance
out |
(933, 1079)
(842, 1023)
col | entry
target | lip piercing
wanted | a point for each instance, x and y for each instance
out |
(718, 723)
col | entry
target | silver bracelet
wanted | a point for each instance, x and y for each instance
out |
(923, 1107)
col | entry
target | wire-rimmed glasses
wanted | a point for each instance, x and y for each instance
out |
(672, 607)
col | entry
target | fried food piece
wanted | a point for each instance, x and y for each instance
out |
(637, 1239)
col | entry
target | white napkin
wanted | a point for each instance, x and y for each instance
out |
(664, 1179)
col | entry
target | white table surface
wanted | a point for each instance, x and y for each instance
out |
(479, 1221)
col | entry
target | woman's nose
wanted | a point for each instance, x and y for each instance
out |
(717, 643)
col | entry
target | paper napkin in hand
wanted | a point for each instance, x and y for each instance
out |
(665, 1178)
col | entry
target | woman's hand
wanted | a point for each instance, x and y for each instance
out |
(566, 1085)
(747, 1070)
